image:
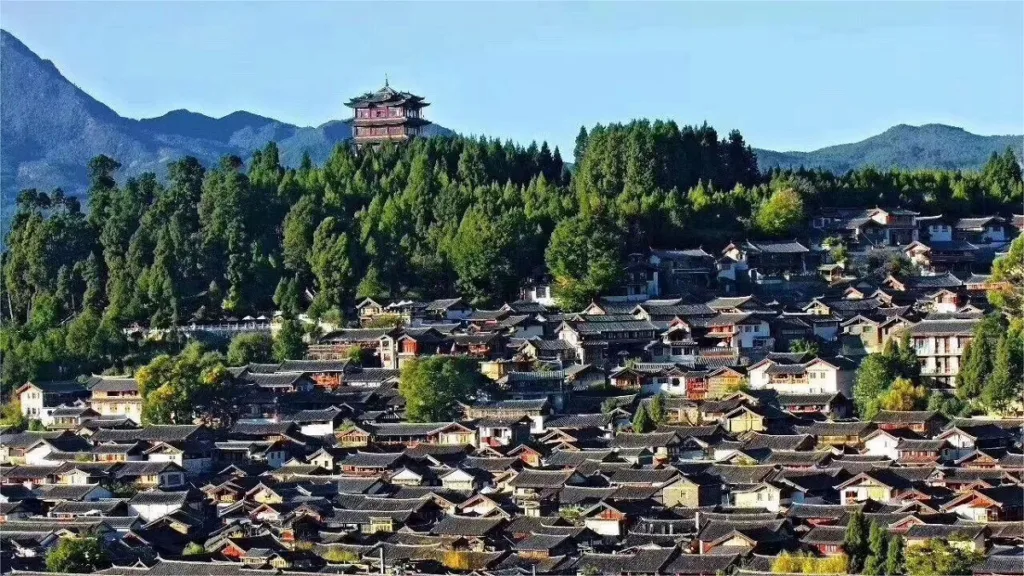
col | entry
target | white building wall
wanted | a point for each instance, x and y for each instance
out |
(882, 445)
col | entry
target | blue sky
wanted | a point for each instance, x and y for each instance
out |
(790, 76)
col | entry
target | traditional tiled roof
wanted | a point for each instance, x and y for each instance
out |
(826, 535)
(644, 561)
(541, 542)
(904, 417)
(313, 366)
(648, 476)
(542, 345)
(276, 380)
(760, 531)
(790, 247)
(403, 429)
(741, 474)
(952, 327)
(353, 335)
(466, 525)
(778, 441)
(828, 428)
(134, 468)
(648, 440)
(261, 428)
(920, 283)
(112, 384)
(541, 478)
(577, 421)
(59, 386)
(375, 375)
(151, 433)
(372, 460)
(944, 532)
(159, 497)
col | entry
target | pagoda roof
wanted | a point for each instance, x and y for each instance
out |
(386, 96)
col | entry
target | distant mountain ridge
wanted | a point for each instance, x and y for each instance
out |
(930, 146)
(50, 129)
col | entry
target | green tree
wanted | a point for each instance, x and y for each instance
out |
(903, 395)
(585, 258)
(297, 239)
(657, 408)
(1008, 275)
(251, 347)
(80, 555)
(878, 546)
(642, 422)
(1004, 384)
(806, 346)
(288, 344)
(357, 355)
(581, 145)
(180, 389)
(855, 542)
(906, 363)
(432, 386)
(332, 264)
(193, 548)
(489, 254)
(873, 377)
(939, 558)
(978, 358)
(894, 556)
(950, 406)
(11, 416)
(781, 215)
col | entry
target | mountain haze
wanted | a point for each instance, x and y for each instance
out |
(50, 129)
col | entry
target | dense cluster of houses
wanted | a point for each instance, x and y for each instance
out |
(757, 452)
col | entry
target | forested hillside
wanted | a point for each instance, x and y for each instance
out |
(435, 217)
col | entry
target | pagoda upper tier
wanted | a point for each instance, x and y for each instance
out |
(387, 115)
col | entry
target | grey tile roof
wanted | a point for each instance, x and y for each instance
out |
(644, 561)
(466, 525)
(158, 497)
(904, 417)
(152, 433)
(577, 421)
(827, 428)
(60, 386)
(530, 478)
(648, 440)
(113, 384)
(313, 366)
(957, 327)
(700, 564)
(790, 247)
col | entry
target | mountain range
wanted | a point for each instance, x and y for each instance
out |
(50, 129)
(931, 146)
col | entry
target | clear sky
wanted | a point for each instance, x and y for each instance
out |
(790, 76)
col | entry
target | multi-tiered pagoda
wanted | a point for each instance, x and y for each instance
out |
(387, 115)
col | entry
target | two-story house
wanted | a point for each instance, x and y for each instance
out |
(38, 400)
(939, 345)
(789, 374)
(116, 396)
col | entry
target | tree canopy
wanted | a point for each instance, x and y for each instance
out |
(432, 386)
(81, 555)
(179, 389)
